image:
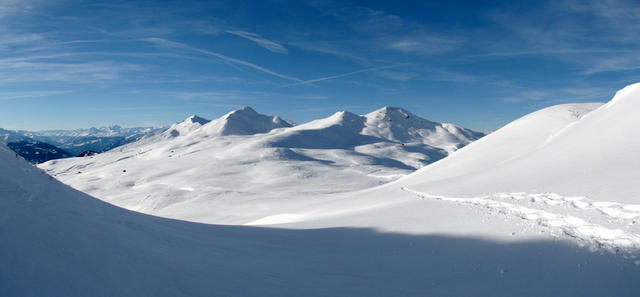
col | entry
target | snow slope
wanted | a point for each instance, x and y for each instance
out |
(242, 166)
(566, 151)
(57, 241)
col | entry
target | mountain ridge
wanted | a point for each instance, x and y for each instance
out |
(196, 164)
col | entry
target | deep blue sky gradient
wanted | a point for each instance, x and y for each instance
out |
(479, 64)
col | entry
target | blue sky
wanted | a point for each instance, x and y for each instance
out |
(479, 64)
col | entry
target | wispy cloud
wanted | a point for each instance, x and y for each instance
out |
(624, 62)
(178, 45)
(599, 36)
(330, 48)
(387, 31)
(423, 43)
(577, 93)
(11, 7)
(617, 16)
(554, 52)
(310, 81)
(396, 75)
(77, 73)
(261, 41)
(210, 95)
(29, 94)
(435, 74)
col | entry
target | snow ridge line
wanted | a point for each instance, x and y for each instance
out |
(597, 237)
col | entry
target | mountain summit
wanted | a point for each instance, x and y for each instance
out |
(388, 124)
(187, 126)
(245, 121)
(395, 123)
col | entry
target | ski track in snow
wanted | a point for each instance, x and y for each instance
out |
(545, 211)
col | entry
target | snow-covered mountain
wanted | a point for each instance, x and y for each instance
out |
(410, 237)
(387, 135)
(244, 121)
(215, 171)
(182, 128)
(400, 125)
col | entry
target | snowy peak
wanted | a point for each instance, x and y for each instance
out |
(194, 119)
(348, 120)
(283, 122)
(344, 119)
(244, 111)
(348, 117)
(398, 118)
(626, 92)
(187, 126)
(396, 114)
(244, 121)
(397, 124)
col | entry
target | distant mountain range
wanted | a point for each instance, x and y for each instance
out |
(41, 146)
(93, 139)
(396, 126)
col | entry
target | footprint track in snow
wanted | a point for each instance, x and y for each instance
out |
(595, 236)
(613, 210)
